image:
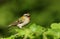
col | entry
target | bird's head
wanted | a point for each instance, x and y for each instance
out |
(27, 15)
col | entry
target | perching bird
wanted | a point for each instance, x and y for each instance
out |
(25, 19)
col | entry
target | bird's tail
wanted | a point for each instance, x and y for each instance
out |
(9, 26)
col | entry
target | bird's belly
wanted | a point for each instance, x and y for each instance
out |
(24, 23)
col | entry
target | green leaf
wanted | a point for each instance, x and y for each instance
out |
(55, 26)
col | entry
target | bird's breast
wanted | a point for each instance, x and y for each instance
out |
(27, 20)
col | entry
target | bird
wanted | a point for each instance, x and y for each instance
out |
(22, 21)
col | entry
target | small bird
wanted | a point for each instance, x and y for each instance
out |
(25, 19)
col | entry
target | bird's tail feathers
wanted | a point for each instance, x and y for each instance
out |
(9, 25)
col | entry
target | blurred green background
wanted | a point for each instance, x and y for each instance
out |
(43, 12)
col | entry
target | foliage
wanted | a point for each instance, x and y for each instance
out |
(36, 31)
(30, 32)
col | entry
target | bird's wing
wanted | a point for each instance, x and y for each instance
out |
(21, 20)
(14, 23)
